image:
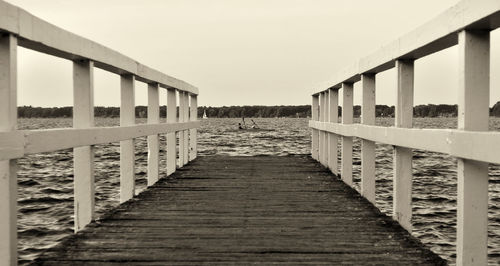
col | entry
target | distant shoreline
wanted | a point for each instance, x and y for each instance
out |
(298, 111)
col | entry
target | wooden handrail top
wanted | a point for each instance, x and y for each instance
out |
(39, 35)
(436, 35)
(474, 145)
(17, 144)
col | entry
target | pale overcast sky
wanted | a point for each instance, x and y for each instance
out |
(241, 52)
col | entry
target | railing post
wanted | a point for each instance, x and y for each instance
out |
(315, 132)
(171, 139)
(182, 109)
(368, 147)
(153, 141)
(127, 156)
(473, 115)
(83, 157)
(333, 139)
(193, 114)
(347, 117)
(326, 114)
(8, 168)
(186, 132)
(322, 134)
(402, 191)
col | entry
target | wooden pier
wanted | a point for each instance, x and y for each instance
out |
(255, 209)
(244, 210)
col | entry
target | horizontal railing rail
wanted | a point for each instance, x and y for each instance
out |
(480, 146)
(468, 25)
(19, 28)
(16, 144)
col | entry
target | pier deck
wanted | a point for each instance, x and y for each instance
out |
(242, 210)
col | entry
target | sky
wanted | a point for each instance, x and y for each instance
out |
(242, 52)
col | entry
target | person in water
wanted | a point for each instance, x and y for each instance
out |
(242, 125)
(254, 124)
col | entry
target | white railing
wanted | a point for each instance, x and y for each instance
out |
(19, 28)
(467, 24)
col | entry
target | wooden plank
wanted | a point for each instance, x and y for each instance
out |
(153, 140)
(403, 177)
(41, 36)
(171, 118)
(11, 145)
(347, 118)
(367, 146)
(315, 132)
(245, 210)
(473, 114)
(402, 190)
(472, 212)
(8, 206)
(83, 157)
(193, 116)
(8, 174)
(326, 118)
(322, 134)
(333, 139)
(404, 95)
(435, 35)
(24, 142)
(478, 146)
(368, 99)
(83, 94)
(8, 79)
(182, 109)
(127, 153)
(186, 132)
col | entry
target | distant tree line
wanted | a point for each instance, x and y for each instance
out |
(428, 110)
(256, 111)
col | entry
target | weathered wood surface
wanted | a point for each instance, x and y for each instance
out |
(242, 210)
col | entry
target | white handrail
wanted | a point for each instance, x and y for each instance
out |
(19, 28)
(467, 24)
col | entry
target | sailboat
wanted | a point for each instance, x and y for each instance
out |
(205, 114)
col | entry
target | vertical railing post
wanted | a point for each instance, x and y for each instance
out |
(153, 141)
(171, 139)
(315, 132)
(368, 147)
(347, 118)
(127, 155)
(83, 157)
(186, 132)
(326, 114)
(182, 108)
(402, 191)
(333, 139)
(473, 115)
(8, 175)
(322, 134)
(193, 114)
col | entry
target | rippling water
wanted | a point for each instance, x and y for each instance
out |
(45, 193)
